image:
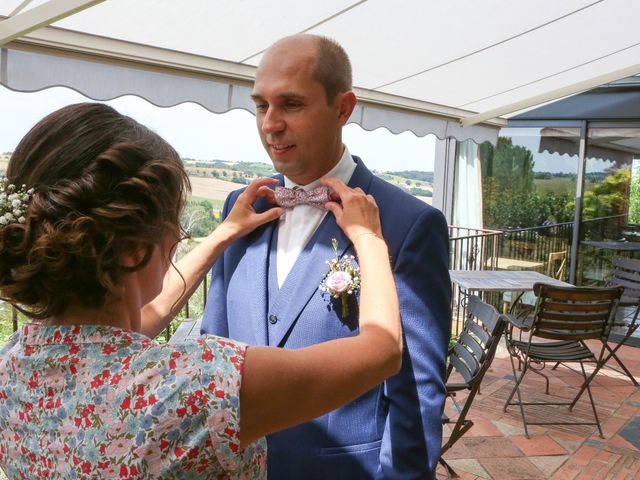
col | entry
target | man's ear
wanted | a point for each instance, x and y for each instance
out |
(346, 103)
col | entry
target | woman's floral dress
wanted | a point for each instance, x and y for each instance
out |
(101, 402)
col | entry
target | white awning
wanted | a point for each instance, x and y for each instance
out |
(418, 65)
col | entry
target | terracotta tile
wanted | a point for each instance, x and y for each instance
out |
(483, 428)
(570, 442)
(441, 474)
(538, 445)
(615, 469)
(631, 432)
(617, 394)
(622, 474)
(618, 441)
(607, 470)
(459, 450)
(605, 456)
(548, 464)
(627, 411)
(612, 425)
(597, 469)
(490, 447)
(614, 379)
(511, 468)
(635, 468)
(508, 428)
(469, 466)
(584, 454)
(568, 471)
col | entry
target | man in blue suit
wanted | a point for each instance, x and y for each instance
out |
(265, 291)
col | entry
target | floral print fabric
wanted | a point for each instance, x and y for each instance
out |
(101, 402)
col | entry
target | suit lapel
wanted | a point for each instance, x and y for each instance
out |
(310, 267)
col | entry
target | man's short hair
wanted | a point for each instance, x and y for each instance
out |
(333, 68)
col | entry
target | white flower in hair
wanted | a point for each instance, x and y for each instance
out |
(13, 202)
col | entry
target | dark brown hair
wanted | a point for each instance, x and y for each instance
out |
(105, 186)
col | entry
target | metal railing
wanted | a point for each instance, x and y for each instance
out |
(542, 248)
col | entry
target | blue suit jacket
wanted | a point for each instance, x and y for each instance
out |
(393, 431)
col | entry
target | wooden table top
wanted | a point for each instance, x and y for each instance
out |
(501, 280)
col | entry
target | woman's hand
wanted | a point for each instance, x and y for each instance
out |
(356, 213)
(242, 218)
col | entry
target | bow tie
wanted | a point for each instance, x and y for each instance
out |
(290, 197)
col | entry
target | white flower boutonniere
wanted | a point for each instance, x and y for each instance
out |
(343, 278)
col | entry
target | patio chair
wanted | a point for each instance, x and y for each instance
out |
(556, 263)
(470, 358)
(563, 319)
(626, 274)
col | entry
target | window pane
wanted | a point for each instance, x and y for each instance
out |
(611, 209)
(528, 190)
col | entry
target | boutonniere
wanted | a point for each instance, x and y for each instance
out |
(343, 278)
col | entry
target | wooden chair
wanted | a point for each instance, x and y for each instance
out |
(556, 263)
(563, 319)
(470, 358)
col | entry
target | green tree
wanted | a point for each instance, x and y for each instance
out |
(198, 218)
(609, 197)
(510, 198)
(634, 197)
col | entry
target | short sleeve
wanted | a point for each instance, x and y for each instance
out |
(221, 367)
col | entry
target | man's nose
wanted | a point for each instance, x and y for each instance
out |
(272, 122)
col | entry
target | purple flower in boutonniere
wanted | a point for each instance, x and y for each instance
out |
(343, 278)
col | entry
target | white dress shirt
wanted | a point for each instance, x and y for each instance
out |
(298, 224)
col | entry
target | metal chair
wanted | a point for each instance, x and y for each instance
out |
(470, 357)
(563, 319)
(626, 274)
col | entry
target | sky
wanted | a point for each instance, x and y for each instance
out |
(197, 133)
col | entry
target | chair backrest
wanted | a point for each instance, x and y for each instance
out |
(626, 274)
(477, 343)
(574, 313)
(553, 269)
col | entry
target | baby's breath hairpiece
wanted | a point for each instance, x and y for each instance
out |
(13, 202)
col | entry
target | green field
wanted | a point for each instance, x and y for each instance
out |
(556, 185)
(217, 204)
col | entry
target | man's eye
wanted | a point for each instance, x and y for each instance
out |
(292, 104)
(261, 106)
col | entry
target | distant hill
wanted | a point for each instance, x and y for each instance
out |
(419, 175)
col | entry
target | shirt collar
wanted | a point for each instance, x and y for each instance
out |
(342, 171)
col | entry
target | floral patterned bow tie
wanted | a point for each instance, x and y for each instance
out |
(290, 197)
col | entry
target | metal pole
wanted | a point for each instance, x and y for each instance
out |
(575, 242)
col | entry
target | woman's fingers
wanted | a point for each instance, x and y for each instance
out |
(355, 211)
(258, 188)
(338, 187)
(243, 218)
(266, 192)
